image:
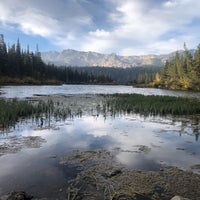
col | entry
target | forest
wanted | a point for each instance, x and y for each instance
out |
(182, 72)
(19, 66)
(128, 76)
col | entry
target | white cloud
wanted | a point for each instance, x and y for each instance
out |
(144, 27)
(54, 20)
(34, 22)
(99, 41)
(131, 26)
(97, 44)
(100, 33)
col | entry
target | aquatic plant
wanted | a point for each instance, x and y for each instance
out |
(12, 110)
(44, 112)
(153, 104)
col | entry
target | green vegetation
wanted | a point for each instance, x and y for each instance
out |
(133, 75)
(12, 110)
(182, 72)
(152, 105)
(40, 111)
(19, 66)
(44, 112)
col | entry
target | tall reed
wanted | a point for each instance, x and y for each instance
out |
(12, 110)
(154, 105)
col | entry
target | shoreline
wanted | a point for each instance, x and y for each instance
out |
(102, 177)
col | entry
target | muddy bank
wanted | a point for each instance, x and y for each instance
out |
(102, 177)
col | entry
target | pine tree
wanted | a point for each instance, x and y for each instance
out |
(196, 69)
(3, 55)
(197, 61)
(182, 72)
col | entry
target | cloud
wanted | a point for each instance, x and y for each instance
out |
(125, 27)
(140, 28)
(100, 33)
(99, 41)
(46, 18)
(38, 24)
(143, 26)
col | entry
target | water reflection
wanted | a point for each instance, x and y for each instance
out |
(29, 91)
(144, 143)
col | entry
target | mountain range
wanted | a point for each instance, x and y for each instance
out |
(74, 58)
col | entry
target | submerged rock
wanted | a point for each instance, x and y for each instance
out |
(130, 197)
(113, 173)
(179, 198)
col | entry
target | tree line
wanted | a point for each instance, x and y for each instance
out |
(19, 66)
(130, 76)
(25, 67)
(182, 72)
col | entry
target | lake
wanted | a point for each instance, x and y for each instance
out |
(138, 142)
(28, 91)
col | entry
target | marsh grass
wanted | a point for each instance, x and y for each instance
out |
(153, 105)
(11, 111)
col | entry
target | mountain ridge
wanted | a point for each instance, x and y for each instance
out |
(74, 58)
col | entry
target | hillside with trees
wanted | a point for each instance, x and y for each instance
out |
(19, 66)
(141, 75)
(182, 72)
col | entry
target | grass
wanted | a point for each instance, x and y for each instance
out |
(13, 110)
(153, 105)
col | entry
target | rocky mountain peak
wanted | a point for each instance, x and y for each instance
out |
(70, 57)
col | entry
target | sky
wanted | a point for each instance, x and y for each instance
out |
(124, 27)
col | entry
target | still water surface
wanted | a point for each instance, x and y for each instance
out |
(28, 91)
(144, 143)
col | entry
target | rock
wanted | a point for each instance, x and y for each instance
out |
(130, 197)
(19, 195)
(196, 166)
(113, 173)
(179, 198)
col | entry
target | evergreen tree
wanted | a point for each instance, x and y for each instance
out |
(197, 62)
(28, 67)
(182, 72)
(3, 55)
